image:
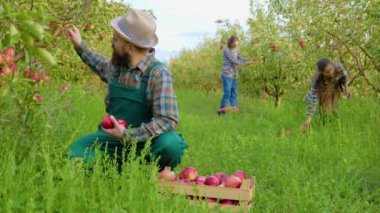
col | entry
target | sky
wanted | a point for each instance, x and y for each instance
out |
(184, 24)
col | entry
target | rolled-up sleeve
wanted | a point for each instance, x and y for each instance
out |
(99, 64)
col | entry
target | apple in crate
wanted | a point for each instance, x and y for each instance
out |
(189, 172)
(212, 181)
(167, 175)
(233, 182)
(227, 202)
(222, 176)
(240, 174)
(200, 180)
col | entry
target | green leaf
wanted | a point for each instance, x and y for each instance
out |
(6, 7)
(45, 56)
(14, 34)
(35, 29)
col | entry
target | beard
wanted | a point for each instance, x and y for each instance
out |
(120, 60)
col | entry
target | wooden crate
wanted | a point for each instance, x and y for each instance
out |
(196, 193)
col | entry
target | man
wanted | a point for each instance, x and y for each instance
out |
(140, 91)
(328, 81)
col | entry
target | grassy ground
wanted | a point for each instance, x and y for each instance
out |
(331, 168)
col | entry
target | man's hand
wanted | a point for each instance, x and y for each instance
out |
(75, 36)
(118, 129)
(346, 92)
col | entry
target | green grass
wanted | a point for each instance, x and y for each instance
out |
(332, 168)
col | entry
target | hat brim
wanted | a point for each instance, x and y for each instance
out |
(117, 25)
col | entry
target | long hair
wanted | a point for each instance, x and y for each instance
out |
(327, 85)
(231, 40)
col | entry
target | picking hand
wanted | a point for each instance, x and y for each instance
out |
(75, 36)
(305, 126)
(118, 129)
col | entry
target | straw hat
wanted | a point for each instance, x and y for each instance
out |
(137, 27)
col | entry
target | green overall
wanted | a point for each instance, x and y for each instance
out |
(131, 105)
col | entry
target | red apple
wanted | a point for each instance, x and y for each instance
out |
(233, 182)
(189, 172)
(240, 174)
(38, 98)
(62, 88)
(227, 202)
(212, 181)
(275, 47)
(26, 73)
(1, 60)
(185, 180)
(122, 122)
(302, 43)
(46, 78)
(221, 176)
(7, 71)
(35, 77)
(200, 180)
(89, 26)
(211, 200)
(106, 122)
(167, 175)
(10, 52)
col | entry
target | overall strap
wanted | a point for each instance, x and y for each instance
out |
(153, 66)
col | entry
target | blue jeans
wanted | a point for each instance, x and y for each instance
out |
(229, 92)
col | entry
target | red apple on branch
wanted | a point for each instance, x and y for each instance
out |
(302, 43)
(10, 52)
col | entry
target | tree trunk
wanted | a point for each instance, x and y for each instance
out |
(277, 102)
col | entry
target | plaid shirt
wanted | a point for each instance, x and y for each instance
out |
(312, 98)
(231, 58)
(159, 92)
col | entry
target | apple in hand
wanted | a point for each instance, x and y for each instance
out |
(106, 122)
(122, 122)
